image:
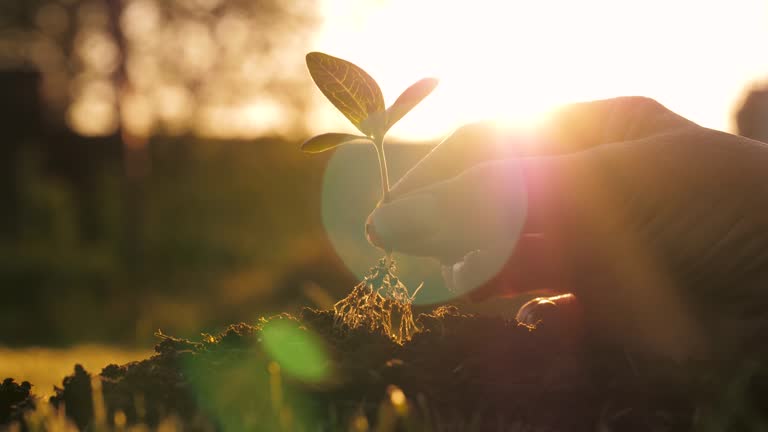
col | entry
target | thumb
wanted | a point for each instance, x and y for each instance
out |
(483, 208)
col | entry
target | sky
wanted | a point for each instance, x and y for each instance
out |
(516, 60)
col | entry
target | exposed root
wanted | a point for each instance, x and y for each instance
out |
(380, 303)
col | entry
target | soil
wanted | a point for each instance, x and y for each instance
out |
(15, 400)
(460, 372)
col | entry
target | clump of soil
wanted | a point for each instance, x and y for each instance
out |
(15, 400)
(460, 372)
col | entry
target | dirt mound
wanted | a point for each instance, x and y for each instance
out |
(459, 372)
(15, 400)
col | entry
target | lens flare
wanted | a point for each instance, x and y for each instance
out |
(298, 352)
(351, 190)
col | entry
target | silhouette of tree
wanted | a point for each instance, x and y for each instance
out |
(131, 69)
(212, 67)
(752, 117)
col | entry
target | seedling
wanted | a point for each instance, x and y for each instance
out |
(380, 301)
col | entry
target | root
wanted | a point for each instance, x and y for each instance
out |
(380, 303)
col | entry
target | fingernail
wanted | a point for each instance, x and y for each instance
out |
(406, 220)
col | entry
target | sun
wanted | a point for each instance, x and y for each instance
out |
(518, 60)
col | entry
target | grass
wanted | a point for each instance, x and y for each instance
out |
(395, 413)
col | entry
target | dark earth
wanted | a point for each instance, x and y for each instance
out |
(461, 372)
(15, 399)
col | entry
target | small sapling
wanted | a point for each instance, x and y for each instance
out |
(380, 301)
(353, 92)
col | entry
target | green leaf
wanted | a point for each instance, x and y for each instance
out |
(327, 141)
(409, 99)
(349, 88)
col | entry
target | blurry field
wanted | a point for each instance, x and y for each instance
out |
(46, 367)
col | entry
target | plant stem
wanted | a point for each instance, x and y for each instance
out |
(379, 144)
(385, 196)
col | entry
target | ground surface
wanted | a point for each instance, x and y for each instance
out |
(459, 373)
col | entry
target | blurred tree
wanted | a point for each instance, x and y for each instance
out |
(134, 68)
(93, 86)
(218, 68)
(20, 110)
(752, 117)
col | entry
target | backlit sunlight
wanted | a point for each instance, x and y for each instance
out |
(515, 60)
(495, 60)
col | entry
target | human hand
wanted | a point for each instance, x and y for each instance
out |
(638, 211)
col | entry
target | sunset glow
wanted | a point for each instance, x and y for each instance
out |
(516, 60)
(511, 61)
